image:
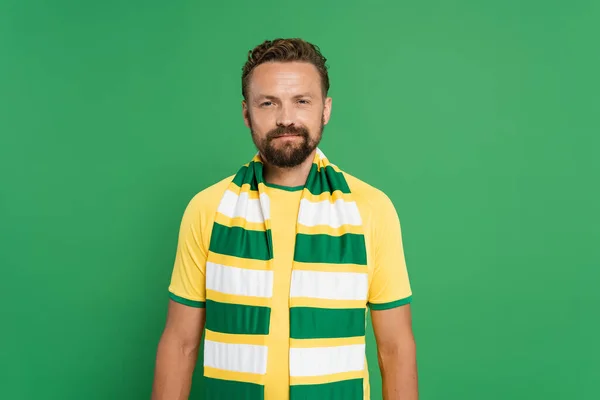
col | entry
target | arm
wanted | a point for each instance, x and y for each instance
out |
(390, 297)
(396, 352)
(178, 352)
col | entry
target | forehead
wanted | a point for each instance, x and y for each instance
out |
(282, 78)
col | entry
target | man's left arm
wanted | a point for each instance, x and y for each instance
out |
(396, 352)
(390, 296)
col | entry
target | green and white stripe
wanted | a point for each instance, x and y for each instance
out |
(235, 205)
(238, 297)
(323, 361)
(330, 285)
(235, 357)
(239, 281)
(333, 214)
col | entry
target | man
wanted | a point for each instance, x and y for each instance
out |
(278, 263)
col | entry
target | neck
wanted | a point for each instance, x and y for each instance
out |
(295, 176)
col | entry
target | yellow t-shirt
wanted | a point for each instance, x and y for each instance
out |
(388, 277)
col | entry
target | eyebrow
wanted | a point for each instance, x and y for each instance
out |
(266, 96)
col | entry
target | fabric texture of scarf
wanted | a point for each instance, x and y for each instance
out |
(328, 290)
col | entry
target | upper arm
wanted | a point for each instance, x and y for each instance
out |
(186, 310)
(390, 285)
(390, 292)
(184, 324)
(188, 278)
(393, 329)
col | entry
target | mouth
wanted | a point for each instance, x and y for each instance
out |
(287, 135)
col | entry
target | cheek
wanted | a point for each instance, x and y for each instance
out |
(262, 122)
(307, 117)
(313, 121)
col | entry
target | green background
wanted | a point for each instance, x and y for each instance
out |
(478, 118)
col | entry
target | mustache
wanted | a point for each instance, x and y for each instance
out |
(287, 130)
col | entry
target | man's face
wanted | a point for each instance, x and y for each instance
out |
(286, 111)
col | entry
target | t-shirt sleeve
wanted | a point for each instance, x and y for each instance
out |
(390, 286)
(188, 280)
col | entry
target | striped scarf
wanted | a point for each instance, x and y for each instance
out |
(328, 292)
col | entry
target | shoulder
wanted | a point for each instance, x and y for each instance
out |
(212, 194)
(369, 198)
(204, 203)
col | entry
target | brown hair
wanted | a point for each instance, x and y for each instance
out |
(285, 50)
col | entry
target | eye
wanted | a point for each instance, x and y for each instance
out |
(266, 103)
(303, 101)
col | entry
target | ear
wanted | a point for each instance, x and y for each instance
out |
(245, 113)
(327, 110)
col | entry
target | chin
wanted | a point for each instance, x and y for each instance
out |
(289, 159)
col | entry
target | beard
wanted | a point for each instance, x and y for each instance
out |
(287, 155)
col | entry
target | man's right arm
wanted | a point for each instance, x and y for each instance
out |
(178, 352)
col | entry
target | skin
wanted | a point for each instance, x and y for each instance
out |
(396, 353)
(286, 96)
(177, 352)
(285, 110)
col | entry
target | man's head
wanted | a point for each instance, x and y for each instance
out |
(285, 85)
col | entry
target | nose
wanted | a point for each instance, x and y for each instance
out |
(285, 116)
